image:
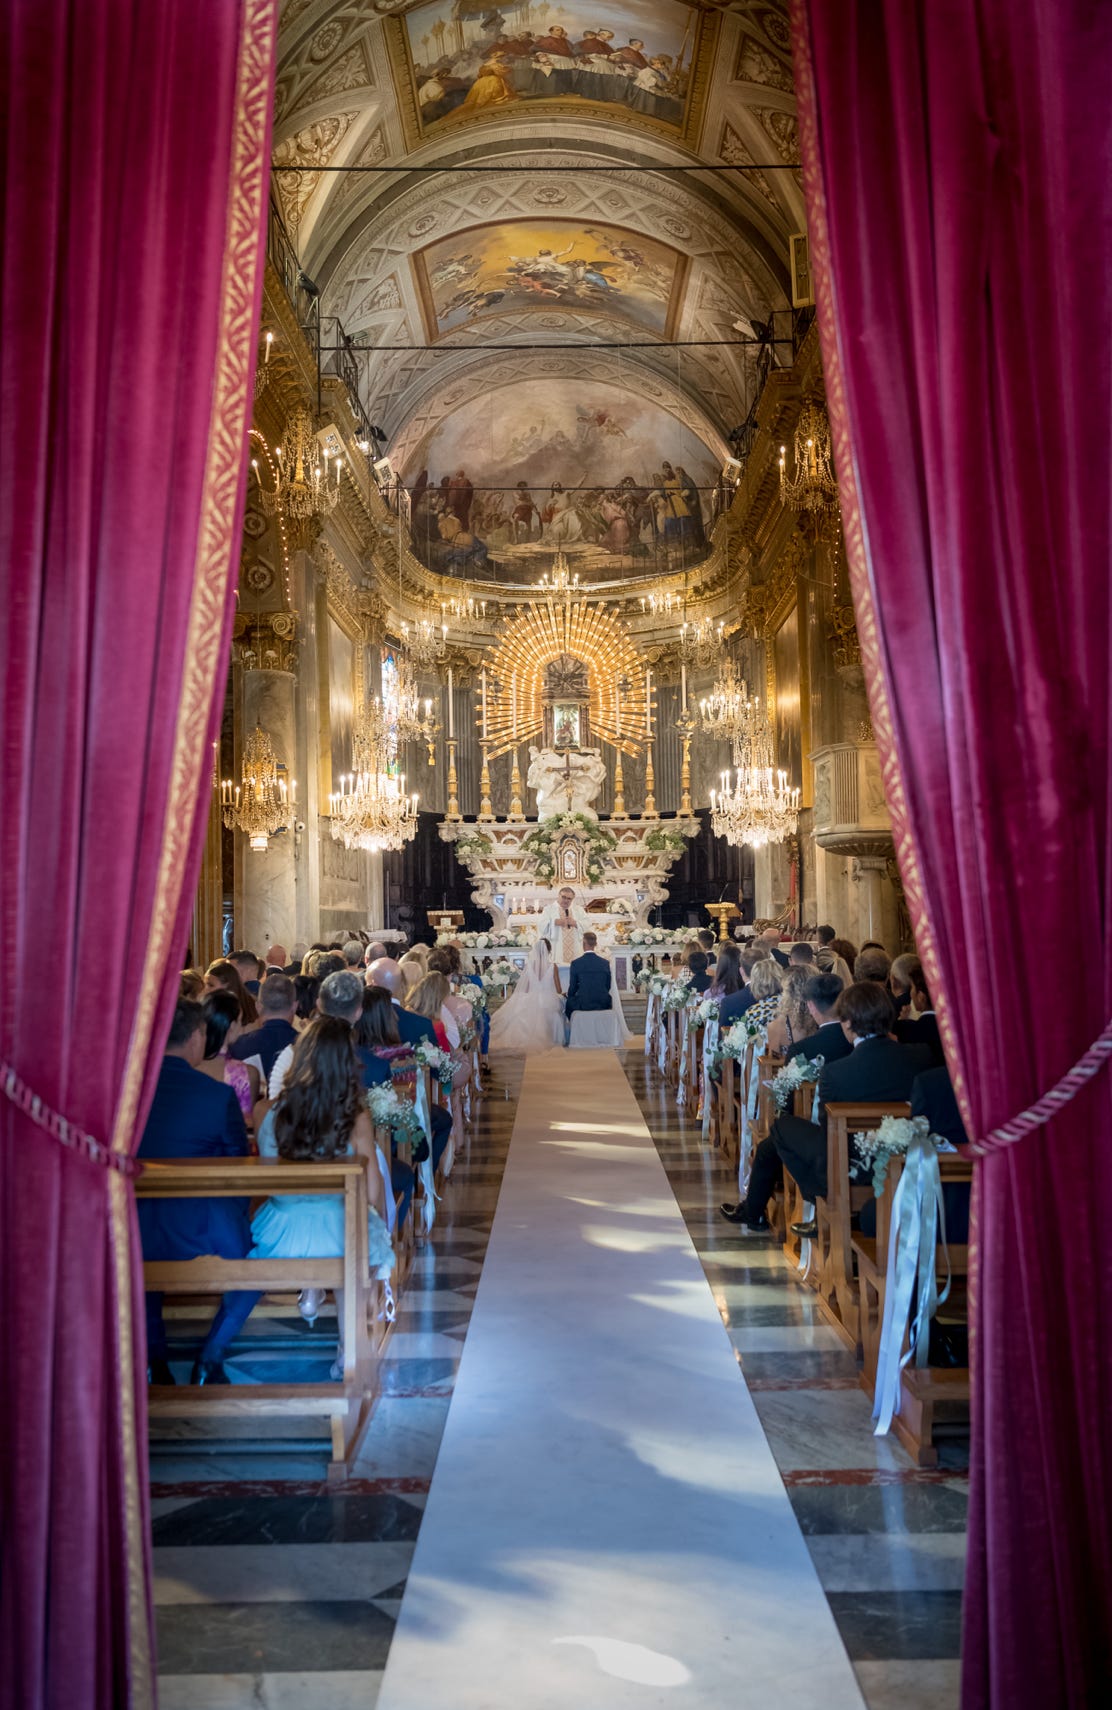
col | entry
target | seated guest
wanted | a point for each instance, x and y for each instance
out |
(275, 1029)
(801, 956)
(413, 967)
(341, 997)
(320, 1115)
(932, 1096)
(224, 976)
(455, 951)
(825, 936)
(246, 963)
(727, 972)
(378, 1045)
(429, 998)
(446, 960)
(793, 1021)
(353, 953)
(697, 968)
(276, 957)
(306, 987)
(738, 1003)
(847, 951)
(387, 973)
(828, 1041)
(193, 1116)
(770, 937)
(375, 952)
(330, 963)
(192, 985)
(872, 963)
(899, 983)
(222, 1029)
(765, 983)
(708, 944)
(876, 1071)
(920, 1025)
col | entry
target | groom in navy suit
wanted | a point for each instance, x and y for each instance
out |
(589, 987)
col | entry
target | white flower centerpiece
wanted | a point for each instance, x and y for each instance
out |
(437, 1061)
(894, 1139)
(397, 1114)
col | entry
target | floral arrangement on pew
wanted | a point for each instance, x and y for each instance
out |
(399, 1115)
(736, 1040)
(918, 1226)
(675, 994)
(703, 1009)
(476, 997)
(799, 1072)
(894, 1139)
(436, 1060)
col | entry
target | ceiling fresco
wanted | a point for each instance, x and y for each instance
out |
(468, 60)
(617, 483)
(542, 264)
(500, 201)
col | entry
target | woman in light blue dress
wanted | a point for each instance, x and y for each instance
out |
(320, 1115)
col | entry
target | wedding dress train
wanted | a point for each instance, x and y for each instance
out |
(532, 1017)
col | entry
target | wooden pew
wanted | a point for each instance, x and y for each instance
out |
(923, 1388)
(833, 1273)
(724, 1122)
(346, 1405)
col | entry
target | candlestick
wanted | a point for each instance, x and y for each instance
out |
(451, 708)
(453, 781)
(516, 811)
(486, 811)
(619, 787)
(685, 777)
(650, 785)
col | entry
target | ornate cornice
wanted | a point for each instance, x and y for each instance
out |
(265, 641)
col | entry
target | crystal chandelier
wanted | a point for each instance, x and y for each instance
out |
(728, 714)
(464, 608)
(813, 486)
(661, 605)
(559, 580)
(413, 719)
(260, 805)
(701, 640)
(426, 641)
(757, 808)
(307, 482)
(371, 809)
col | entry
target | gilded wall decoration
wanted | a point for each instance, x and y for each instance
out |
(265, 641)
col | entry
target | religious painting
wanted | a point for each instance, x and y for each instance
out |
(787, 722)
(466, 60)
(549, 264)
(615, 483)
(341, 699)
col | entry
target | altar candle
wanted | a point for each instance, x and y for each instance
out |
(648, 704)
(451, 709)
(683, 687)
(513, 708)
(484, 682)
(617, 710)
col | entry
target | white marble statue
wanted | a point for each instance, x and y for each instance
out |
(565, 783)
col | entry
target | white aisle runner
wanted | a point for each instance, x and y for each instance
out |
(606, 1527)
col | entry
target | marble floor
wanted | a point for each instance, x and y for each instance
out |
(309, 1624)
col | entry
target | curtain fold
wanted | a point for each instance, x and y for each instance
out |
(956, 166)
(133, 177)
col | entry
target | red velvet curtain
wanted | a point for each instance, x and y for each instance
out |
(957, 169)
(133, 177)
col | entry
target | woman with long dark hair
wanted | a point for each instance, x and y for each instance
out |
(223, 976)
(222, 1028)
(321, 1114)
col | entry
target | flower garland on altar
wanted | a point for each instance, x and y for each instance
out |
(500, 939)
(475, 846)
(541, 844)
(663, 840)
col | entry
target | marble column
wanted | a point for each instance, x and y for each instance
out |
(269, 913)
(876, 903)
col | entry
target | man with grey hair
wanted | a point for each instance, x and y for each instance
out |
(352, 953)
(387, 973)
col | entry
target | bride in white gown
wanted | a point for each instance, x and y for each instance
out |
(532, 1017)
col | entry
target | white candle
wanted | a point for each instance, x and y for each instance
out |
(648, 704)
(451, 708)
(484, 684)
(683, 687)
(513, 707)
(617, 710)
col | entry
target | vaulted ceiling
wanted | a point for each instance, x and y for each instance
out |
(523, 197)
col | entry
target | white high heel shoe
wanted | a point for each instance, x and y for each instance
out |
(309, 1303)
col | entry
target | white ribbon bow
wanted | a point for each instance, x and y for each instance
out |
(918, 1225)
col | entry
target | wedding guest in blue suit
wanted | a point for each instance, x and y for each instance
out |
(194, 1116)
(589, 986)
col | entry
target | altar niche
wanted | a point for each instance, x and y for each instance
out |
(566, 702)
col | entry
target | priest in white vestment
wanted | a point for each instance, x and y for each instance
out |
(563, 923)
